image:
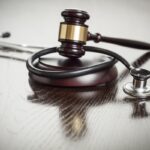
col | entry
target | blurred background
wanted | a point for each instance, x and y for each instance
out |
(36, 22)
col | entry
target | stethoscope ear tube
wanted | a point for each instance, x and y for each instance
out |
(79, 72)
(69, 73)
(109, 53)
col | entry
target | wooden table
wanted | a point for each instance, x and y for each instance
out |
(39, 117)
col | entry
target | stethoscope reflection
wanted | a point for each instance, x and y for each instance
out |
(139, 110)
(73, 104)
(139, 107)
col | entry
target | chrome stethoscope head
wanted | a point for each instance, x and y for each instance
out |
(138, 88)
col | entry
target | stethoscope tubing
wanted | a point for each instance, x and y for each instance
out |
(77, 72)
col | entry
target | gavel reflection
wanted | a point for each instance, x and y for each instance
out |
(73, 120)
(73, 104)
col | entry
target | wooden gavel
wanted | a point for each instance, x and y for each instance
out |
(73, 34)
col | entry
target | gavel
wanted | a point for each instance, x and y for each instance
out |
(73, 35)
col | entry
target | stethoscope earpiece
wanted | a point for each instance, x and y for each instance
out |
(5, 35)
(138, 88)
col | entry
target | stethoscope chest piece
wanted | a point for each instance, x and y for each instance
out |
(138, 88)
(137, 92)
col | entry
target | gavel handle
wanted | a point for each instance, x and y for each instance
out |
(118, 41)
(126, 42)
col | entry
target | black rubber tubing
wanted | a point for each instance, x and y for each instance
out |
(75, 72)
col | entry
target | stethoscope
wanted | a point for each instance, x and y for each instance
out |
(73, 35)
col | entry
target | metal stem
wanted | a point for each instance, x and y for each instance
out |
(139, 84)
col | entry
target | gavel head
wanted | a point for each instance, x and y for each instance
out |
(73, 33)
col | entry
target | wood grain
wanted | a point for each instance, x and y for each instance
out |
(39, 117)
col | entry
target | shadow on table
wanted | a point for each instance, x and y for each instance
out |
(73, 103)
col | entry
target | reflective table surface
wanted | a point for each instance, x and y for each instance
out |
(35, 116)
